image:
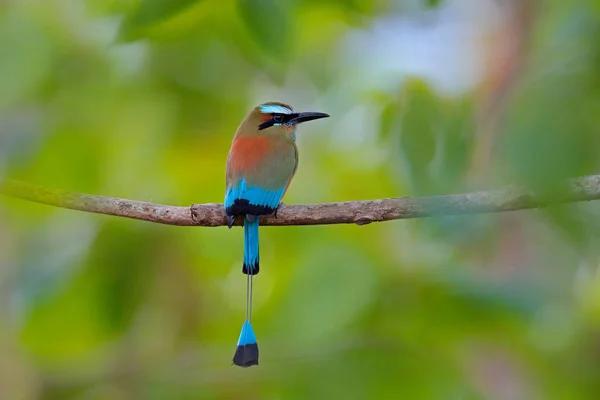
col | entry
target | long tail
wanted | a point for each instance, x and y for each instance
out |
(246, 353)
(251, 264)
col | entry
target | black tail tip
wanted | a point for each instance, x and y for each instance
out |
(246, 356)
(253, 269)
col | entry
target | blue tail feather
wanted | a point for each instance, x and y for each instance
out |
(246, 353)
(251, 258)
(247, 335)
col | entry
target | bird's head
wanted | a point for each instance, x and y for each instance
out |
(276, 118)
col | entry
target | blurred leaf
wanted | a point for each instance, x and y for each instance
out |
(25, 57)
(389, 121)
(82, 151)
(517, 298)
(575, 225)
(103, 7)
(321, 302)
(456, 143)
(419, 135)
(548, 142)
(357, 10)
(151, 12)
(436, 138)
(432, 3)
(552, 130)
(269, 23)
(100, 301)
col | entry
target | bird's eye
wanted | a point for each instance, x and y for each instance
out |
(278, 118)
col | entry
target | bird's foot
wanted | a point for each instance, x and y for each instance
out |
(278, 207)
(194, 213)
(230, 221)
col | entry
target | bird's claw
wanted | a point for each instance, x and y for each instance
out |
(278, 207)
(230, 221)
(193, 213)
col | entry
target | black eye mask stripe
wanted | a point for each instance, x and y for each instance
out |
(276, 119)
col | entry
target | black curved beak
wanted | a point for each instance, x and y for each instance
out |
(306, 116)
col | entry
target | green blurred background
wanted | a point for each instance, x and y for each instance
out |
(140, 99)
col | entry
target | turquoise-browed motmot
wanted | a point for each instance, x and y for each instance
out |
(260, 166)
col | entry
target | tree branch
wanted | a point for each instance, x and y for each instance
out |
(351, 212)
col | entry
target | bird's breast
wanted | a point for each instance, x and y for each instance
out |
(263, 160)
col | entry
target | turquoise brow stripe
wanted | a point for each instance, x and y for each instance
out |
(273, 108)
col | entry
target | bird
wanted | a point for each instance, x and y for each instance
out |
(261, 163)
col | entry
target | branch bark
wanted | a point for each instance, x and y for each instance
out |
(350, 212)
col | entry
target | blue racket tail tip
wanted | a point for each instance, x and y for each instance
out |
(246, 353)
